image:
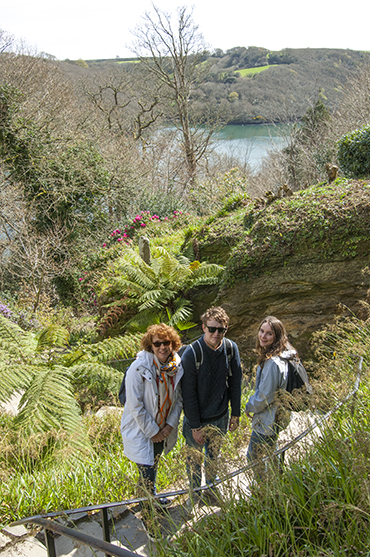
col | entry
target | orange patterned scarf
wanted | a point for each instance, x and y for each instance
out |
(165, 381)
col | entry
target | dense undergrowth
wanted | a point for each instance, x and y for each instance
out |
(321, 221)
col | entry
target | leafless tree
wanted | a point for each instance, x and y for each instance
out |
(25, 255)
(128, 101)
(6, 41)
(173, 51)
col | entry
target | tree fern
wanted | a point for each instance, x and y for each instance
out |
(48, 402)
(157, 290)
(45, 367)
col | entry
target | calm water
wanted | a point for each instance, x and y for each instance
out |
(251, 143)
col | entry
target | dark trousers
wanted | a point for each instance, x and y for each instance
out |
(148, 473)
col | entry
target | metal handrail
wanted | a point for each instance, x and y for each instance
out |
(115, 551)
(108, 548)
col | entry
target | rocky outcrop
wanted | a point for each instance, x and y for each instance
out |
(305, 295)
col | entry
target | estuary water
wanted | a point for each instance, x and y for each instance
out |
(251, 143)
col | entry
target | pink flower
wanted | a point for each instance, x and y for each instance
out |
(125, 235)
(80, 279)
(104, 245)
(143, 224)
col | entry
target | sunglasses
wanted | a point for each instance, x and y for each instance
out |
(221, 330)
(158, 343)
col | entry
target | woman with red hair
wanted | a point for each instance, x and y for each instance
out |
(153, 402)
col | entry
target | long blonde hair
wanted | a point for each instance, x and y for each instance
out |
(280, 343)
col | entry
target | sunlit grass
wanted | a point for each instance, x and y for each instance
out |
(249, 72)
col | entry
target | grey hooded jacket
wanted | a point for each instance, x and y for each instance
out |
(272, 377)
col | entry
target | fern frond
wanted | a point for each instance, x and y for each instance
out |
(183, 311)
(14, 341)
(108, 349)
(48, 402)
(13, 377)
(206, 270)
(156, 299)
(141, 321)
(53, 336)
(88, 373)
(185, 325)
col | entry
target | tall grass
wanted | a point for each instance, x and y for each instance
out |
(39, 474)
(320, 504)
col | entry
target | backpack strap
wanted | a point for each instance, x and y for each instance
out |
(198, 354)
(230, 353)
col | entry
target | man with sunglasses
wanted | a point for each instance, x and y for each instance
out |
(211, 380)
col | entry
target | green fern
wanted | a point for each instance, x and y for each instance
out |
(48, 402)
(53, 336)
(159, 291)
(45, 368)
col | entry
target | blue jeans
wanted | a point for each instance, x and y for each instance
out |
(258, 445)
(214, 431)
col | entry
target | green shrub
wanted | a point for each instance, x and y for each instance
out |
(354, 153)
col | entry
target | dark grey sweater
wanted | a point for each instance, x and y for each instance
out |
(205, 393)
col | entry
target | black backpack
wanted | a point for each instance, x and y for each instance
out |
(297, 399)
(122, 389)
(297, 377)
(198, 353)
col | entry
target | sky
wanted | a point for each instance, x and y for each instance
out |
(89, 29)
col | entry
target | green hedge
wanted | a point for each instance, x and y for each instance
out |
(354, 153)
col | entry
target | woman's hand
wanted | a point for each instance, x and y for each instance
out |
(158, 437)
(167, 430)
(162, 434)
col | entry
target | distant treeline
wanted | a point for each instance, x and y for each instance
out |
(256, 85)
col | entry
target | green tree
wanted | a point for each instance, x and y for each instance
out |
(354, 153)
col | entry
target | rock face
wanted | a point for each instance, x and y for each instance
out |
(300, 258)
(305, 295)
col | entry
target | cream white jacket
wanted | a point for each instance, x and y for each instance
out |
(138, 423)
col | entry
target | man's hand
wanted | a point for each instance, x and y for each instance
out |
(234, 423)
(248, 415)
(198, 436)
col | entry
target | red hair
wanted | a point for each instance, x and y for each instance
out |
(163, 332)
